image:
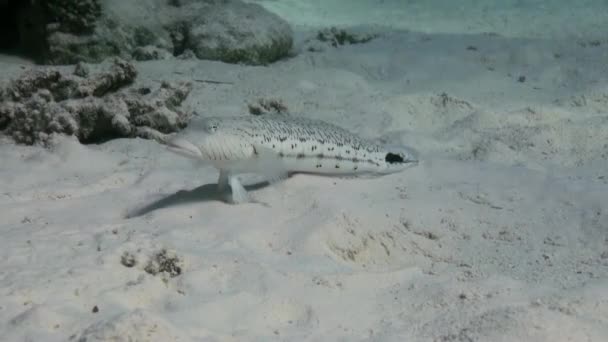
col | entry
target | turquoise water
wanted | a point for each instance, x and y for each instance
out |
(521, 18)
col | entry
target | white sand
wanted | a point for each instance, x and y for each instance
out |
(500, 234)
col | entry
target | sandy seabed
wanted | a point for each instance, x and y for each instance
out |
(500, 234)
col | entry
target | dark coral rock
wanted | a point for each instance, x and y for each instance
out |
(73, 15)
(164, 262)
(94, 108)
(121, 74)
(268, 106)
(338, 37)
(71, 31)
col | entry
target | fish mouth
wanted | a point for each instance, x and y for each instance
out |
(184, 147)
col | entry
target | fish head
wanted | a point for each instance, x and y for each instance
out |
(398, 158)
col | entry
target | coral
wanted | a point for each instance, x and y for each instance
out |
(268, 106)
(122, 73)
(337, 37)
(164, 262)
(74, 16)
(128, 260)
(90, 106)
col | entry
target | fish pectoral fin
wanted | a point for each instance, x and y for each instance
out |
(239, 194)
(269, 164)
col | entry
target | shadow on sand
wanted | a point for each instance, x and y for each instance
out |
(204, 193)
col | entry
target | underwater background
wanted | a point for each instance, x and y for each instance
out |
(498, 233)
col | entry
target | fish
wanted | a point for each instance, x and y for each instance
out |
(278, 146)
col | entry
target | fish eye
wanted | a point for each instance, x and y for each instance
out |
(393, 158)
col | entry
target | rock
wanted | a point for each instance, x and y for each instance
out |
(82, 70)
(70, 31)
(240, 33)
(93, 107)
(150, 52)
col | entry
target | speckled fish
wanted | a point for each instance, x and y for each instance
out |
(277, 146)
